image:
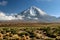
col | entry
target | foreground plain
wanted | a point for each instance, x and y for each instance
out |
(29, 31)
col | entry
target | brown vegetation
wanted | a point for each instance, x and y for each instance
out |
(18, 24)
(29, 31)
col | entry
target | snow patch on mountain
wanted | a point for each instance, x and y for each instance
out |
(39, 10)
(36, 18)
(32, 12)
(29, 17)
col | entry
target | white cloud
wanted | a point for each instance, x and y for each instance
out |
(3, 3)
(3, 16)
(20, 17)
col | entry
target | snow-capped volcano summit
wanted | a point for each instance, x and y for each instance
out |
(34, 10)
(35, 14)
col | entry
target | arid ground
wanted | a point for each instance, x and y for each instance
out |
(29, 31)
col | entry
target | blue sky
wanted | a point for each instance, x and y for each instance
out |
(51, 7)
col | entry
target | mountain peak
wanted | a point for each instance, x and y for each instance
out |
(36, 9)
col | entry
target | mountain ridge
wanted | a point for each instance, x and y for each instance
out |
(32, 14)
